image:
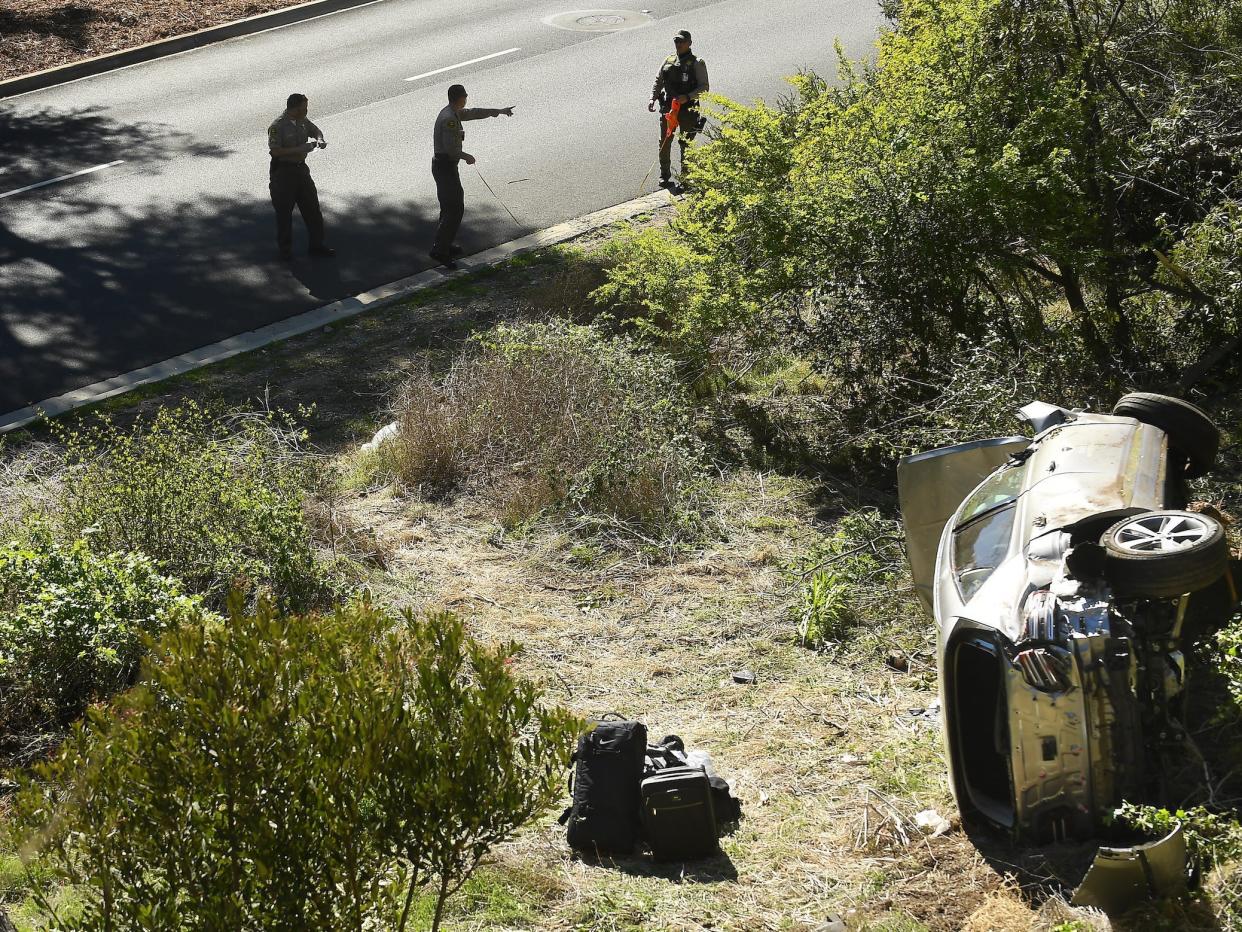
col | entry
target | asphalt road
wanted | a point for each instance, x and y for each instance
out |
(170, 246)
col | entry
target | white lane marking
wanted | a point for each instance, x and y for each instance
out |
(44, 184)
(462, 64)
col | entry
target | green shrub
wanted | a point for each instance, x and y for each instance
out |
(72, 627)
(856, 578)
(289, 772)
(483, 758)
(553, 415)
(219, 502)
(975, 180)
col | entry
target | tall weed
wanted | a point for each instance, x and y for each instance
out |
(853, 587)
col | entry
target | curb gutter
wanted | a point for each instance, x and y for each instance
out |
(190, 40)
(327, 315)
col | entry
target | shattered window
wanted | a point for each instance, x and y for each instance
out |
(999, 488)
(980, 547)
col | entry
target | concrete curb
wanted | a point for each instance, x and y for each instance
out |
(327, 315)
(191, 40)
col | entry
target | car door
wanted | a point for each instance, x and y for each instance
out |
(930, 487)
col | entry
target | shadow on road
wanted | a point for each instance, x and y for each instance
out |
(88, 291)
(44, 143)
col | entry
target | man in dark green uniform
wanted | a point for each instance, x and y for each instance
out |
(290, 184)
(448, 137)
(682, 78)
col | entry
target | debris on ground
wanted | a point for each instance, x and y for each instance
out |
(932, 823)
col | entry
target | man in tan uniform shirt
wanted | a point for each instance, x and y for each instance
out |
(290, 184)
(448, 136)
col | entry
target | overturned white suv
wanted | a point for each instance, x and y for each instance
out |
(1066, 578)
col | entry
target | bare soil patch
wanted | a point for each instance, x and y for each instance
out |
(41, 34)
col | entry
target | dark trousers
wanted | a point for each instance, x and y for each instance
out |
(291, 185)
(452, 203)
(689, 120)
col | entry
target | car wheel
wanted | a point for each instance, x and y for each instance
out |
(1190, 431)
(1162, 554)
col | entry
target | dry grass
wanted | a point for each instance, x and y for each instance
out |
(823, 752)
(564, 289)
(31, 483)
(543, 415)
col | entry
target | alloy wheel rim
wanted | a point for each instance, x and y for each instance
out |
(1162, 533)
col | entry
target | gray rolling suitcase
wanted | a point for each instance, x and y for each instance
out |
(678, 817)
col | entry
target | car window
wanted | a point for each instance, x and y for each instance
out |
(979, 548)
(997, 489)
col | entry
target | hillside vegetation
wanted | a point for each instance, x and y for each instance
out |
(250, 670)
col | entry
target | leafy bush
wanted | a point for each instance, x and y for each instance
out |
(1212, 839)
(1010, 172)
(553, 415)
(854, 578)
(219, 502)
(481, 759)
(289, 772)
(72, 627)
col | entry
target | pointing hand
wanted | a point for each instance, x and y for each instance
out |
(507, 111)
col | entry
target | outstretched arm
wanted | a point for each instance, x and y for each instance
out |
(480, 113)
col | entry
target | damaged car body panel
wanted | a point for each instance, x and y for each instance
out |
(1061, 585)
(1121, 877)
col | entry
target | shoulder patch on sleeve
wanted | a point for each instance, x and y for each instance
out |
(452, 124)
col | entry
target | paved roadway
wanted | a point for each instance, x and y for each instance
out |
(172, 247)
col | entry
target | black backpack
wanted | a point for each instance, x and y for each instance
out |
(605, 815)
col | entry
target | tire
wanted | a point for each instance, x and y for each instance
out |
(1190, 431)
(1163, 554)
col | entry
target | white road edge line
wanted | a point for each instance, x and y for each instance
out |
(77, 174)
(463, 64)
